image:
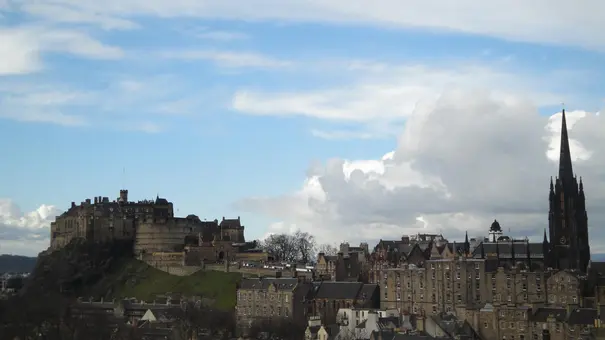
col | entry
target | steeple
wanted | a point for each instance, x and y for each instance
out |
(565, 169)
(467, 245)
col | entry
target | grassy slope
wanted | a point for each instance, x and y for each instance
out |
(136, 279)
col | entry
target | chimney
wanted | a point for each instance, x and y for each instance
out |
(87, 201)
(96, 199)
(73, 204)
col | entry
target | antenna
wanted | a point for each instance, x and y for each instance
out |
(563, 106)
(123, 176)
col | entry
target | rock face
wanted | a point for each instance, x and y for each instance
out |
(76, 269)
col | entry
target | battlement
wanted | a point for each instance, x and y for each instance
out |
(150, 223)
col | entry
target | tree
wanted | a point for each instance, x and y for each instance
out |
(275, 328)
(327, 249)
(195, 319)
(282, 247)
(305, 246)
(299, 246)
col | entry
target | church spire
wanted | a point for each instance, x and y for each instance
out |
(565, 169)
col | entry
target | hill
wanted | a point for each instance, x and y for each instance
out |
(17, 263)
(108, 271)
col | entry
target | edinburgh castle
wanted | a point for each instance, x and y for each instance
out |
(158, 236)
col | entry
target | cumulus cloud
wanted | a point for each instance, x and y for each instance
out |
(25, 232)
(555, 21)
(461, 161)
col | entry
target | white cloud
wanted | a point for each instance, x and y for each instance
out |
(461, 161)
(221, 35)
(60, 104)
(553, 21)
(68, 15)
(228, 58)
(391, 93)
(21, 47)
(25, 233)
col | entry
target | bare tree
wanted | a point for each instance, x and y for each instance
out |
(327, 249)
(353, 334)
(282, 246)
(305, 245)
(299, 246)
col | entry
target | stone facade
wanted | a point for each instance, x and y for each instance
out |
(152, 227)
(262, 298)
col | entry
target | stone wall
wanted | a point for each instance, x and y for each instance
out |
(248, 271)
(180, 271)
(163, 237)
(164, 259)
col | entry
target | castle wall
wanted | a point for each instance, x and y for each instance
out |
(163, 237)
(164, 259)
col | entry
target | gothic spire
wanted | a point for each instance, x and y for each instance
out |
(467, 245)
(545, 241)
(565, 169)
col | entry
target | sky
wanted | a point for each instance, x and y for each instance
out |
(350, 120)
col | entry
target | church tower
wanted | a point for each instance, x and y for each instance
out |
(568, 221)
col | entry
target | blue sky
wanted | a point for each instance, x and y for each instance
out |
(214, 106)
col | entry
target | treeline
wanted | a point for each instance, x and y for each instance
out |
(17, 264)
(299, 247)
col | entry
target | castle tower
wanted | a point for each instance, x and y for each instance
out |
(568, 221)
(123, 196)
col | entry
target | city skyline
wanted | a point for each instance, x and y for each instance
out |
(375, 120)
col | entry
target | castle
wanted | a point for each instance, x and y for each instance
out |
(158, 235)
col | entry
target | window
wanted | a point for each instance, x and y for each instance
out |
(512, 325)
(477, 266)
(434, 309)
(485, 325)
(457, 275)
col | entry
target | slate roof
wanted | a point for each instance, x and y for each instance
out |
(339, 290)
(582, 316)
(288, 284)
(541, 314)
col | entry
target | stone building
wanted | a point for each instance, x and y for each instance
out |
(351, 267)
(328, 297)
(504, 288)
(262, 298)
(158, 236)
(100, 219)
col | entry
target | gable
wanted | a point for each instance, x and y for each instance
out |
(148, 316)
(435, 252)
(447, 253)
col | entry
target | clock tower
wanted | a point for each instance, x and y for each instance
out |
(568, 221)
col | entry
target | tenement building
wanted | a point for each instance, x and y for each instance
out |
(503, 287)
(296, 299)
